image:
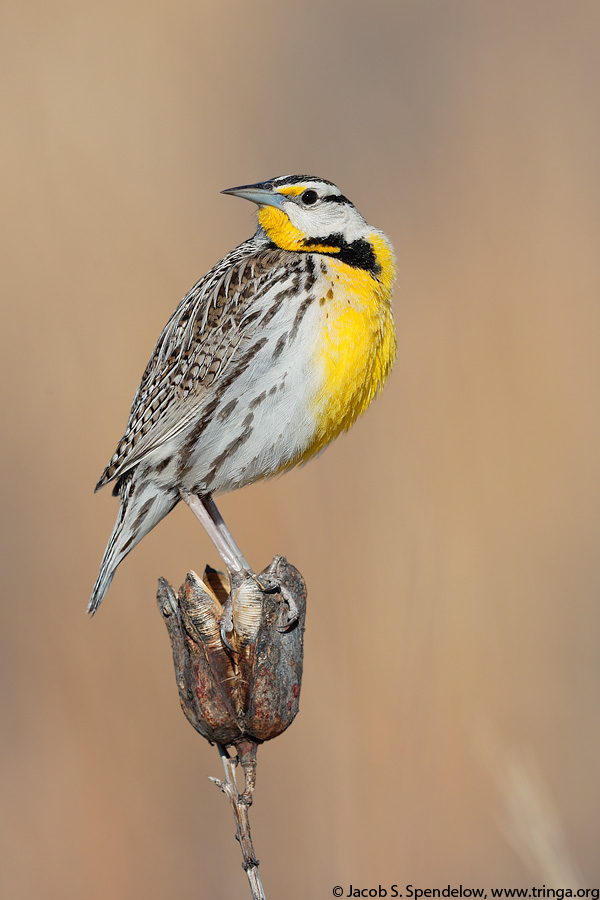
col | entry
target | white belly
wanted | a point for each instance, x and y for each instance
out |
(273, 416)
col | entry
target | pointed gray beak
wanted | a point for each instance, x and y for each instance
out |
(261, 193)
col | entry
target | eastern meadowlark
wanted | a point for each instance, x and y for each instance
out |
(269, 357)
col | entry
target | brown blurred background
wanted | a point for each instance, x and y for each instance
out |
(450, 726)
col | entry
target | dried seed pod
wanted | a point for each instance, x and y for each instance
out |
(274, 699)
(203, 669)
(201, 608)
(247, 612)
(252, 694)
(217, 582)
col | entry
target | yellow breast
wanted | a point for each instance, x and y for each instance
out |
(357, 346)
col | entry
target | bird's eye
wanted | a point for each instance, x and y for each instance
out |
(309, 197)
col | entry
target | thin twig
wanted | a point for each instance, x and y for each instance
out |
(240, 804)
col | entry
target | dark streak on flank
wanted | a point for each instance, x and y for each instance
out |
(291, 291)
(280, 345)
(300, 315)
(200, 425)
(257, 400)
(234, 445)
(162, 465)
(241, 364)
(228, 409)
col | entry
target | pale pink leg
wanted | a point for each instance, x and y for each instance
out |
(205, 510)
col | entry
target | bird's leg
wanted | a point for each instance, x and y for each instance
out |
(217, 519)
(205, 510)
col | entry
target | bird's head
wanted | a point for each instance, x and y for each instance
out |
(307, 214)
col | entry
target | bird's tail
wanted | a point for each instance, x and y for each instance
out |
(143, 505)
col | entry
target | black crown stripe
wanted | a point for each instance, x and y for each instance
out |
(282, 180)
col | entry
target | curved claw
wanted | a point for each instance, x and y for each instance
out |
(293, 612)
(269, 583)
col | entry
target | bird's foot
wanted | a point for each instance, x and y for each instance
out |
(271, 583)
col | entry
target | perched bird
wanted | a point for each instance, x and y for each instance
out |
(271, 355)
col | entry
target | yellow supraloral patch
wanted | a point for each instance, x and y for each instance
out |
(293, 190)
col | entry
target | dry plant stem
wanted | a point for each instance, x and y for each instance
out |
(240, 804)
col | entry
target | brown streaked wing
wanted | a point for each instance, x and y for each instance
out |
(196, 348)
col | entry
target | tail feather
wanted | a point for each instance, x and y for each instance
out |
(111, 559)
(143, 505)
